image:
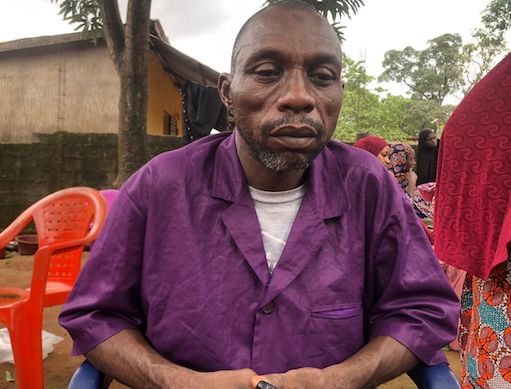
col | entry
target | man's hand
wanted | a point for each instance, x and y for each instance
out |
(129, 359)
(382, 359)
(305, 378)
(223, 379)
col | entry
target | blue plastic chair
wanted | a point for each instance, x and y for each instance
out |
(425, 377)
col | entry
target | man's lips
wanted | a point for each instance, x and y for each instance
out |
(293, 138)
(294, 132)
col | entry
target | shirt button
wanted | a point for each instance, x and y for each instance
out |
(269, 308)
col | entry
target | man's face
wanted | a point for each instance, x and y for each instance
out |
(285, 92)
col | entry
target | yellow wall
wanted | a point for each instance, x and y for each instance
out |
(163, 97)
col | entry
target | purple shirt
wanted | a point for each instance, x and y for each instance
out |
(181, 259)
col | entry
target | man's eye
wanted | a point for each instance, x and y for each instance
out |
(267, 72)
(323, 76)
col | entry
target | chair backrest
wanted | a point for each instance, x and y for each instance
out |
(63, 216)
(62, 220)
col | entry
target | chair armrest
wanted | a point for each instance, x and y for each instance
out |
(434, 377)
(88, 377)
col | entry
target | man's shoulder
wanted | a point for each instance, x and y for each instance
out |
(192, 163)
(197, 152)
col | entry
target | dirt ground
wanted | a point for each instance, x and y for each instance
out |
(15, 270)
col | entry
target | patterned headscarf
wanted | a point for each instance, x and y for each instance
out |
(400, 155)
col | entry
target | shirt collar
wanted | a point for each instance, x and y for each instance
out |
(324, 185)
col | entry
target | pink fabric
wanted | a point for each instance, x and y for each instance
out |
(371, 143)
(456, 278)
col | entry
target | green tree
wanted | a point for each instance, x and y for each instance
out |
(128, 46)
(430, 74)
(396, 118)
(489, 41)
(496, 16)
(481, 56)
(362, 109)
(419, 114)
(334, 9)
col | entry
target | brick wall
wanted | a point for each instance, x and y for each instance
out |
(29, 172)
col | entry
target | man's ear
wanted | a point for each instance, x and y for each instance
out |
(224, 89)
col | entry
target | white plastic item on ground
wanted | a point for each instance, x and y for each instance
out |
(49, 340)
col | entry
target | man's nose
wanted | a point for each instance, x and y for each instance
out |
(295, 94)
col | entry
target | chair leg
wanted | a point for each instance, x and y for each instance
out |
(26, 341)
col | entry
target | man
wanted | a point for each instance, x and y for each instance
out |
(267, 251)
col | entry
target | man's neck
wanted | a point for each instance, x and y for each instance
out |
(263, 178)
(269, 180)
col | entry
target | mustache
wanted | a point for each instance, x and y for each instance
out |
(268, 126)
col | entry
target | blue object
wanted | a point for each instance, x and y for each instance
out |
(88, 377)
(434, 377)
(425, 377)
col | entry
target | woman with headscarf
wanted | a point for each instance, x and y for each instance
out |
(427, 155)
(402, 161)
(473, 224)
(376, 146)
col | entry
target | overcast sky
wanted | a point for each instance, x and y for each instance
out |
(205, 29)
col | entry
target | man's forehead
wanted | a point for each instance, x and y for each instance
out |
(280, 27)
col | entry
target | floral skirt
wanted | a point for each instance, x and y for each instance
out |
(485, 330)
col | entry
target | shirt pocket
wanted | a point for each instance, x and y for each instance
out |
(335, 332)
(336, 311)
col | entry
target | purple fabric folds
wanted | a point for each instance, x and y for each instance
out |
(181, 259)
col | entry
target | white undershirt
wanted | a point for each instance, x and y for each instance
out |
(276, 212)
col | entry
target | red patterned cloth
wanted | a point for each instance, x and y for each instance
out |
(473, 190)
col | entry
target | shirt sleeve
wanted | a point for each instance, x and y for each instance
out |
(106, 297)
(411, 299)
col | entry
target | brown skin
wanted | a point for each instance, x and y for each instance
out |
(383, 156)
(287, 79)
(431, 140)
(286, 95)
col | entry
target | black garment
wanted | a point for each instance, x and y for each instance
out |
(426, 158)
(203, 111)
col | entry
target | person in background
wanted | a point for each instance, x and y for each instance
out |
(473, 224)
(402, 161)
(427, 155)
(376, 146)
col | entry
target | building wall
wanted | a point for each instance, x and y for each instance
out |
(56, 88)
(164, 96)
(31, 171)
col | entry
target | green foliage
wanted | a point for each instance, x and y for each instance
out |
(431, 74)
(395, 118)
(447, 66)
(85, 14)
(335, 9)
(497, 16)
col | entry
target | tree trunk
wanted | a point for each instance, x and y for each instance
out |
(132, 153)
(129, 48)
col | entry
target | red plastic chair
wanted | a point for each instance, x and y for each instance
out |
(62, 221)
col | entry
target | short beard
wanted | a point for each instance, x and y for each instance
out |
(281, 161)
